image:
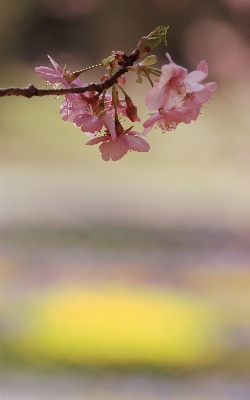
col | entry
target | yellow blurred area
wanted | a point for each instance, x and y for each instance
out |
(116, 325)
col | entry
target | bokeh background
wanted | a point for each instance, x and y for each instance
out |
(128, 279)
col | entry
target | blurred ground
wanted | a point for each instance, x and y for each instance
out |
(49, 277)
(124, 386)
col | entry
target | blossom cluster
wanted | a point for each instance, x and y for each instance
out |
(176, 96)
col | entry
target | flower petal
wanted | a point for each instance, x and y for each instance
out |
(88, 122)
(55, 65)
(155, 97)
(96, 140)
(202, 66)
(137, 144)
(149, 123)
(110, 125)
(50, 75)
(114, 149)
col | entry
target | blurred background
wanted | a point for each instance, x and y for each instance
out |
(129, 279)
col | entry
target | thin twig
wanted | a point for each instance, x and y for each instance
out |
(31, 90)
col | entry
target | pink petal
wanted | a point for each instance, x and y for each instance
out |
(168, 71)
(205, 94)
(79, 82)
(96, 140)
(169, 57)
(194, 80)
(149, 123)
(137, 144)
(144, 133)
(155, 97)
(194, 110)
(65, 112)
(88, 122)
(184, 70)
(55, 65)
(172, 99)
(202, 66)
(179, 114)
(110, 125)
(72, 106)
(114, 149)
(201, 97)
(211, 86)
(51, 76)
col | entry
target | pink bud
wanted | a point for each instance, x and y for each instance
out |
(131, 110)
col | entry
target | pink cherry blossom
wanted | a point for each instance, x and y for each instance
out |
(91, 124)
(192, 95)
(174, 83)
(72, 106)
(88, 123)
(57, 76)
(116, 148)
(188, 111)
(168, 120)
(82, 110)
(177, 97)
(195, 100)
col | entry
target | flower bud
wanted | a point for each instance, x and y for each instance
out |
(116, 58)
(131, 109)
(147, 43)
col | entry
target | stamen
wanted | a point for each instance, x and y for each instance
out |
(55, 86)
(87, 69)
(166, 125)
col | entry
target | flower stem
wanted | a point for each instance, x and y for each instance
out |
(150, 80)
(121, 88)
(154, 71)
(114, 93)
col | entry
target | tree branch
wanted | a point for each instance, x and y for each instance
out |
(31, 90)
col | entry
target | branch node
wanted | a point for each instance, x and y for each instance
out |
(32, 91)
